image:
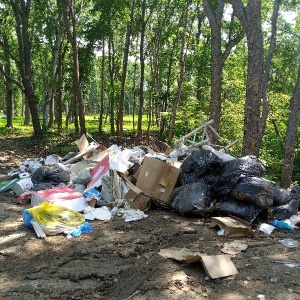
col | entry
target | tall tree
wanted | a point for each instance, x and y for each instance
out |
(291, 136)
(267, 72)
(214, 12)
(8, 84)
(181, 73)
(69, 13)
(250, 18)
(21, 11)
(124, 71)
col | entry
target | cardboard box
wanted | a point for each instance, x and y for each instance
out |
(157, 179)
(136, 198)
(63, 196)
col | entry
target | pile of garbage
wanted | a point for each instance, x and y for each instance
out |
(100, 183)
(213, 181)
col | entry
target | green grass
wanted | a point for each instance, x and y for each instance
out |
(63, 142)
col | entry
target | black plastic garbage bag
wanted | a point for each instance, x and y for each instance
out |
(200, 163)
(295, 194)
(283, 212)
(254, 190)
(242, 210)
(192, 199)
(281, 196)
(49, 176)
(234, 170)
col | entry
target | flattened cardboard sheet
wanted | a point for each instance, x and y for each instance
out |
(233, 226)
(215, 266)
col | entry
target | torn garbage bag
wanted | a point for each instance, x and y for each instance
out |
(192, 199)
(49, 176)
(232, 207)
(254, 190)
(234, 170)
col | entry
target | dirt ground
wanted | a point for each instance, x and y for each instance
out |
(121, 260)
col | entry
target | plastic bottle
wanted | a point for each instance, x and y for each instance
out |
(282, 225)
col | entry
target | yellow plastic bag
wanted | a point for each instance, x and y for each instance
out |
(55, 218)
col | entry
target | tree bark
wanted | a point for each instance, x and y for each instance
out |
(69, 11)
(218, 58)
(250, 18)
(21, 9)
(8, 86)
(182, 73)
(102, 89)
(112, 67)
(266, 77)
(291, 137)
(124, 72)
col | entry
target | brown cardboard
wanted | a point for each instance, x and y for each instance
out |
(232, 226)
(217, 266)
(157, 179)
(136, 198)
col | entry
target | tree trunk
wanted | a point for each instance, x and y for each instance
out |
(58, 100)
(291, 137)
(181, 75)
(8, 87)
(218, 58)
(69, 11)
(142, 77)
(266, 77)
(124, 72)
(21, 9)
(102, 90)
(250, 18)
(111, 63)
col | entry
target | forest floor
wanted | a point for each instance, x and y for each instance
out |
(121, 260)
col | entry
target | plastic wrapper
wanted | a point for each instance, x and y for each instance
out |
(106, 190)
(254, 190)
(237, 208)
(27, 218)
(285, 211)
(234, 170)
(55, 219)
(84, 228)
(192, 199)
(83, 176)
